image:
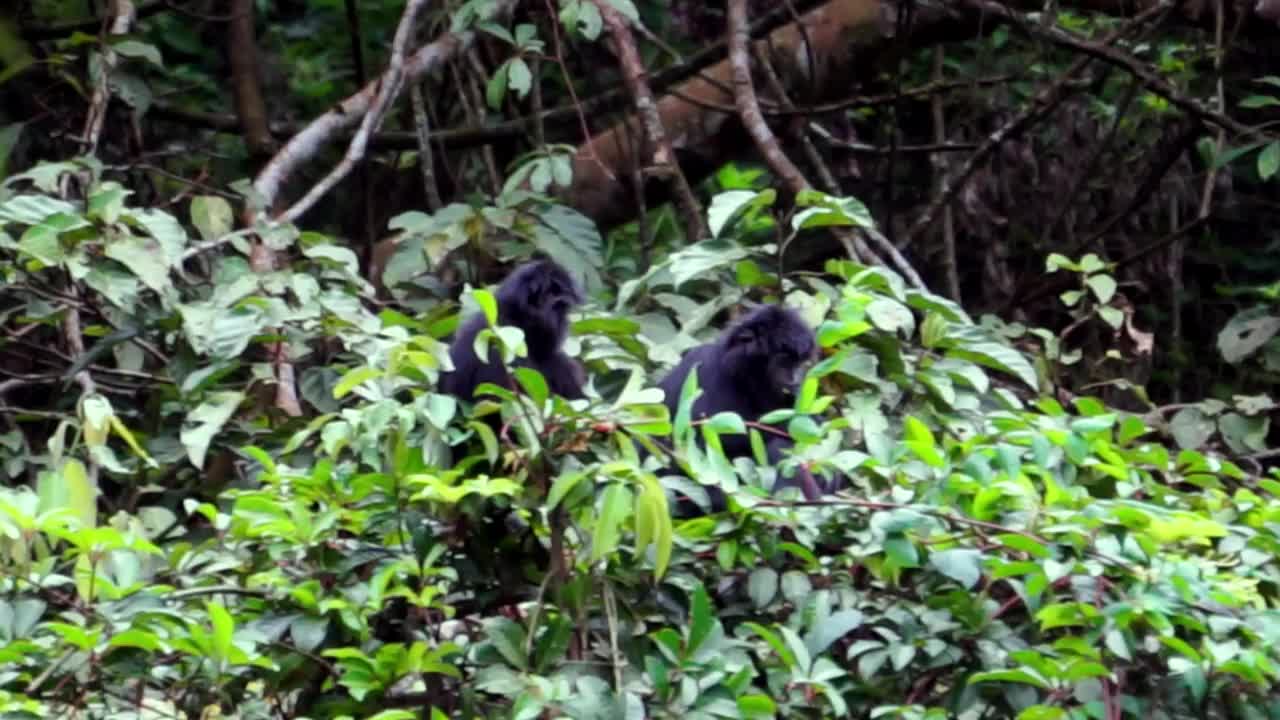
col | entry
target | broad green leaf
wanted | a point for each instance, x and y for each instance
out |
(562, 486)
(616, 504)
(762, 586)
(106, 202)
(1103, 287)
(212, 216)
(1269, 159)
(204, 423)
(519, 77)
(496, 89)
(145, 259)
(43, 242)
(533, 383)
(33, 209)
(353, 379)
(1246, 332)
(1024, 676)
(1191, 428)
(223, 630)
(962, 565)
(891, 316)
(702, 619)
(140, 50)
(730, 205)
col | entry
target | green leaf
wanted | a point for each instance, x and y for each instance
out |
(652, 504)
(562, 486)
(488, 305)
(508, 639)
(1091, 263)
(71, 489)
(519, 77)
(9, 136)
(1191, 428)
(762, 586)
(752, 707)
(1103, 287)
(993, 355)
(43, 242)
(824, 210)
(1253, 102)
(33, 209)
(223, 630)
(963, 566)
(785, 654)
(206, 421)
(106, 202)
(891, 316)
(616, 505)
(730, 205)
(212, 216)
(146, 259)
(919, 438)
(1024, 544)
(533, 383)
(137, 49)
(1246, 332)
(496, 89)
(353, 379)
(702, 619)
(573, 239)
(1023, 676)
(1111, 316)
(1269, 159)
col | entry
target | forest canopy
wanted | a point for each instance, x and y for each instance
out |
(639, 358)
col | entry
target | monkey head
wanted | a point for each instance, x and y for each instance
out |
(769, 350)
(537, 298)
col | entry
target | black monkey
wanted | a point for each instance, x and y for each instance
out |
(754, 367)
(536, 298)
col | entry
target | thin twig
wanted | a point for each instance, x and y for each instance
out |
(664, 158)
(389, 88)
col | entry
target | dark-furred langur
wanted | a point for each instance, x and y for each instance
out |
(754, 367)
(536, 298)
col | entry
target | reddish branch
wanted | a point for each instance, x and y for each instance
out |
(744, 95)
(246, 84)
(664, 162)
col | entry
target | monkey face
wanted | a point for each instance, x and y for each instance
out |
(537, 298)
(774, 341)
(787, 368)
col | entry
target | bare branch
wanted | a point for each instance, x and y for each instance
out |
(748, 107)
(312, 139)
(634, 74)
(388, 89)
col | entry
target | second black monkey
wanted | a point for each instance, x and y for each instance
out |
(536, 298)
(754, 367)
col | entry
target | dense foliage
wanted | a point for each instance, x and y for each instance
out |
(177, 540)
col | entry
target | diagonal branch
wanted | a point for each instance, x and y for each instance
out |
(744, 95)
(388, 86)
(313, 138)
(664, 159)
